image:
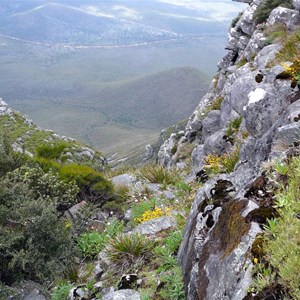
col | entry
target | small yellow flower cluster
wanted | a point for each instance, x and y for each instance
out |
(213, 162)
(153, 214)
(293, 70)
(68, 224)
(290, 69)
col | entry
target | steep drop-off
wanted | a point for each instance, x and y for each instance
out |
(248, 117)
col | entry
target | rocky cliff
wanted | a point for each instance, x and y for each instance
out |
(249, 116)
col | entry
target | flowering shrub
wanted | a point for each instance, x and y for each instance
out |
(221, 163)
(153, 214)
(293, 71)
(213, 163)
(46, 186)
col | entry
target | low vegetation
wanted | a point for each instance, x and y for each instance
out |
(263, 11)
(277, 261)
(215, 164)
(39, 243)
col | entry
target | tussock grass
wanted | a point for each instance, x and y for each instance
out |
(158, 174)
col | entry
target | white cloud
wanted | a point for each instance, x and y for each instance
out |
(127, 12)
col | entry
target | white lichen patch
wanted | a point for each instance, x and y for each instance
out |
(255, 96)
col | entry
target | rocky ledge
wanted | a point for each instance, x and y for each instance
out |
(252, 111)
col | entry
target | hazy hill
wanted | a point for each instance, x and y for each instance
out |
(154, 101)
(125, 115)
(96, 70)
(54, 23)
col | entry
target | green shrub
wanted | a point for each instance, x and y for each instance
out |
(51, 151)
(44, 186)
(165, 258)
(290, 50)
(114, 227)
(263, 11)
(241, 62)
(9, 159)
(236, 19)
(129, 251)
(34, 242)
(229, 160)
(280, 263)
(216, 104)
(173, 241)
(173, 287)
(47, 164)
(276, 32)
(92, 243)
(62, 291)
(93, 186)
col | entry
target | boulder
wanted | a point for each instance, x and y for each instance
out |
(72, 212)
(289, 17)
(126, 180)
(216, 143)
(154, 226)
(122, 295)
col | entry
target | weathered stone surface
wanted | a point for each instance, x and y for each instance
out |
(122, 295)
(156, 225)
(296, 4)
(123, 180)
(216, 143)
(198, 156)
(289, 17)
(266, 55)
(28, 290)
(72, 212)
(211, 123)
(215, 267)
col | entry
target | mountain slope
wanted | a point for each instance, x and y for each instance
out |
(54, 23)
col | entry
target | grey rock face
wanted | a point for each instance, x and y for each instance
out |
(215, 266)
(154, 226)
(126, 180)
(28, 290)
(289, 17)
(122, 295)
(296, 4)
(216, 143)
(211, 123)
(35, 295)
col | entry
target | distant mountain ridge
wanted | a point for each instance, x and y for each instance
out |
(55, 23)
(69, 22)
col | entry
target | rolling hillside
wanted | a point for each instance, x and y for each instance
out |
(110, 73)
(124, 116)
